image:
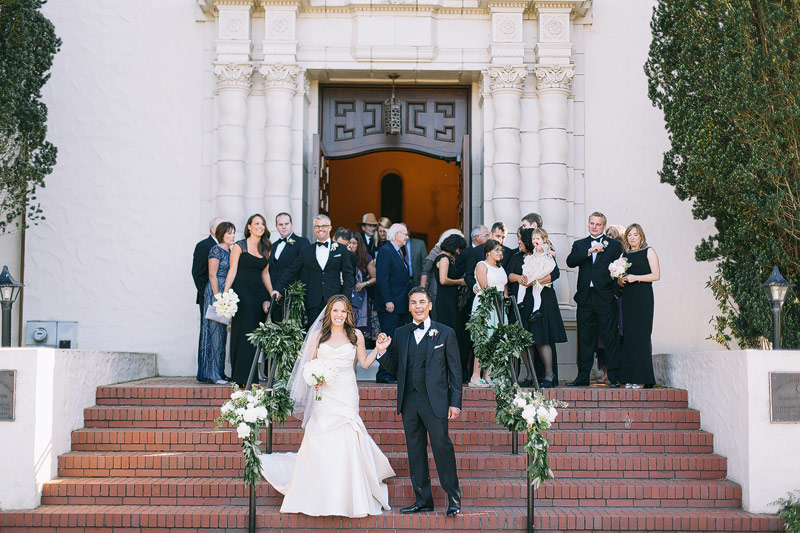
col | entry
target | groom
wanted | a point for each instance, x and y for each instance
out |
(424, 355)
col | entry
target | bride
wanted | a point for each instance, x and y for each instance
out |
(338, 470)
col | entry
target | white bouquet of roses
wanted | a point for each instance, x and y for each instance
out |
(538, 414)
(226, 303)
(318, 372)
(619, 267)
(247, 412)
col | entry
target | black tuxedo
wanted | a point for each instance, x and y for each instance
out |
(464, 266)
(372, 245)
(428, 384)
(277, 266)
(392, 285)
(200, 268)
(597, 307)
(337, 277)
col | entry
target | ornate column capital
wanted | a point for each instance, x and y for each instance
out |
(233, 75)
(507, 77)
(555, 76)
(279, 75)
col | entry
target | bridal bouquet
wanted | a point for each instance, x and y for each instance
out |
(318, 372)
(225, 303)
(532, 413)
(247, 412)
(619, 267)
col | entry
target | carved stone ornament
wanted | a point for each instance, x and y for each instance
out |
(233, 74)
(506, 28)
(507, 77)
(554, 77)
(279, 75)
(554, 28)
(280, 24)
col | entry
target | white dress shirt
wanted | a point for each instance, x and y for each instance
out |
(322, 253)
(279, 249)
(420, 333)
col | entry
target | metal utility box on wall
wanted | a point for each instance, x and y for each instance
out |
(51, 334)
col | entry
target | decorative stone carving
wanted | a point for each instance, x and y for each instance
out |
(233, 75)
(507, 28)
(279, 75)
(507, 77)
(554, 28)
(234, 24)
(555, 77)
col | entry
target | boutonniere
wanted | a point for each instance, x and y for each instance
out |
(334, 246)
(605, 243)
(433, 332)
(290, 241)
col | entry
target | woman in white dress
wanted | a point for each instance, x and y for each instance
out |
(488, 273)
(338, 470)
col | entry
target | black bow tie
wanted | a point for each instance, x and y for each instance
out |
(421, 325)
(325, 244)
(597, 239)
(279, 241)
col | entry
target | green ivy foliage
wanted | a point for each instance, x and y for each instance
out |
(727, 76)
(790, 511)
(28, 43)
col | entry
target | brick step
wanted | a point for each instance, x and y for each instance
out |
(186, 391)
(288, 439)
(92, 518)
(475, 492)
(469, 464)
(386, 417)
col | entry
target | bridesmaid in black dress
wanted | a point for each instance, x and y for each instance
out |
(445, 307)
(637, 309)
(249, 278)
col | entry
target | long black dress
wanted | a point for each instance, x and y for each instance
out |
(445, 307)
(637, 314)
(549, 327)
(249, 286)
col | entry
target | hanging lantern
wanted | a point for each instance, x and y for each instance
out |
(391, 112)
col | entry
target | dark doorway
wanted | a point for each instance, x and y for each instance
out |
(392, 197)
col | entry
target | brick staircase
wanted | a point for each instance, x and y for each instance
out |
(625, 460)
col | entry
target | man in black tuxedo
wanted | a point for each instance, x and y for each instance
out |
(284, 251)
(369, 230)
(597, 307)
(424, 355)
(464, 266)
(393, 283)
(325, 267)
(200, 262)
(499, 233)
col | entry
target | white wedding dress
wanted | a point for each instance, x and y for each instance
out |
(338, 470)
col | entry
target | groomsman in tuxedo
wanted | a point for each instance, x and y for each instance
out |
(464, 266)
(424, 355)
(200, 262)
(325, 267)
(499, 233)
(393, 283)
(369, 230)
(597, 307)
(284, 251)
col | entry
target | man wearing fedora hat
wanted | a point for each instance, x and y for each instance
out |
(369, 226)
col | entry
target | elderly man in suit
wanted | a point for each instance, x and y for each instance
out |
(391, 298)
(416, 251)
(200, 262)
(284, 251)
(424, 355)
(597, 306)
(325, 267)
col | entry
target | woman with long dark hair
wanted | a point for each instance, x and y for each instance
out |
(249, 278)
(338, 470)
(365, 278)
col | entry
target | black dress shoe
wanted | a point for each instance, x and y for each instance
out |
(453, 510)
(526, 383)
(536, 315)
(547, 384)
(615, 385)
(417, 507)
(577, 383)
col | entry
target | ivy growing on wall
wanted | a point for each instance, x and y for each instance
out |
(28, 43)
(727, 76)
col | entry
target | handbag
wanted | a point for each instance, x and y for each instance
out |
(211, 314)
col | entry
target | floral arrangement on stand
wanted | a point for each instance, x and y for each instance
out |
(496, 345)
(247, 411)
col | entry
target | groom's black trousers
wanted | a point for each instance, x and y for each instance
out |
(419, 424)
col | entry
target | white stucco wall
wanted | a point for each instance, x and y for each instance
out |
(10, 255)
(731, 391)
(53, 387)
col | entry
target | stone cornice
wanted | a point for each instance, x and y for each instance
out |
(578, 8)
(233, 75)
(396, 8)
(234, 3)
(554, 77)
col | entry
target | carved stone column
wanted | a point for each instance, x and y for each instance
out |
(256, 147)
(530, 186)
(279, 90)
(488, 150)
(506, 84)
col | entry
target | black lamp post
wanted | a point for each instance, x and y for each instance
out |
(9, 290)
(776, 288)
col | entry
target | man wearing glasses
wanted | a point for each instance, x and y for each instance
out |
(324, 266)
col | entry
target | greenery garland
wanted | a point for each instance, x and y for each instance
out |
(495, 344)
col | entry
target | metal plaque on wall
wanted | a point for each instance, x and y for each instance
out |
(784, 396)
(7, 381)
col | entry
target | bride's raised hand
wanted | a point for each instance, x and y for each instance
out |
(382, 342)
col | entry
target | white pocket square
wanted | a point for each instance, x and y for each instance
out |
(338, 255)
(438, 346)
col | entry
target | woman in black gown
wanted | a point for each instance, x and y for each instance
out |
(445, 307)
(249, 278)
(547, 328)
(637, 309)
